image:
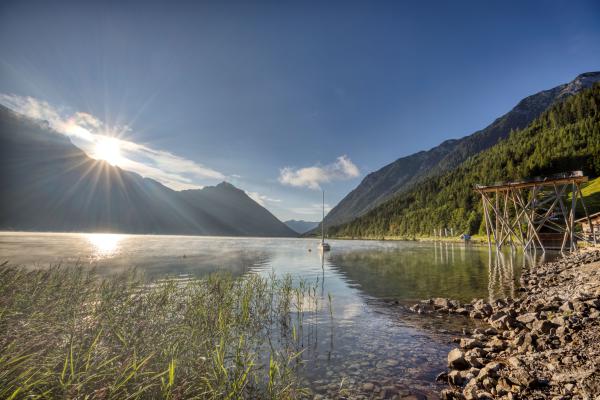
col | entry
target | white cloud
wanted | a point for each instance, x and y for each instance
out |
(261, 198)
(86, 130)
(312, 177)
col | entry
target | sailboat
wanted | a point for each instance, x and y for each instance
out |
(323, 246)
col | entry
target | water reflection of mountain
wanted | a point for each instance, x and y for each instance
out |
(455, 271)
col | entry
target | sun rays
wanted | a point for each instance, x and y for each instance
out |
(109, 150)
(112, 143)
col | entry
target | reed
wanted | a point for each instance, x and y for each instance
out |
(69, 333)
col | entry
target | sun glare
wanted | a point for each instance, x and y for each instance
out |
(105, 244)
(108, 149)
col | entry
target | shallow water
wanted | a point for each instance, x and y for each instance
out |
(362, 337)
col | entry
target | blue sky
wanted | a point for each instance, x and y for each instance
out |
(281, 98)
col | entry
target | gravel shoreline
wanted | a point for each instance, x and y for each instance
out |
(543, 345)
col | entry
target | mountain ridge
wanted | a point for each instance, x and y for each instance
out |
(399, 175)
(49, 184)
(564, 138)
(301, 226)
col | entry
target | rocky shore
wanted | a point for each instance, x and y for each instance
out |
(543, 345)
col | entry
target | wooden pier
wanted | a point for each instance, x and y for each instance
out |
(534, 213)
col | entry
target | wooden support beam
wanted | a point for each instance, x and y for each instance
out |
(574, 195)
(522, 210)
(587, 215)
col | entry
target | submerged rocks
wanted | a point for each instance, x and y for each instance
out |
(368, 387)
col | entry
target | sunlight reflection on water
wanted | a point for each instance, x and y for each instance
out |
(105, 244)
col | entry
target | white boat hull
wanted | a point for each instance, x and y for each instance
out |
(324, 246)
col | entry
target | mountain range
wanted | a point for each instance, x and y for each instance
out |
(402, 174)
(565, 137)
(49, 184)
(301, 226)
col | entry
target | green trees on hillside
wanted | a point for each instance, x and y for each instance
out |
(564, 138)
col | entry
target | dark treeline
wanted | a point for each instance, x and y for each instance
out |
(564, 138)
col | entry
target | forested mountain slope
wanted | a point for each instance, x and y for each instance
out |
(401, 174)
(564, 138)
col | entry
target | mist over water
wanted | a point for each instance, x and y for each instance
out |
(353, 334)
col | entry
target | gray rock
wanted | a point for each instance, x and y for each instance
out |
(543, 326)
(456, 378)
(521, 377)
(483, 307)
(440, 302)
(475, 362)
(489, 371)
(503, 386)
(504, 322)
(451, 394)
(491, 331)
(567, 306)
(470, 343)
(515, 362)
(456, 360)
(527, 318)
(496, 344)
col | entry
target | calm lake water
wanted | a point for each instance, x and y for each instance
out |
(365, 338)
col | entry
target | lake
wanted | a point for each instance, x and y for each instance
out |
(363, 338)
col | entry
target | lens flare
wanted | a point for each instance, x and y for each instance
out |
(108, 149)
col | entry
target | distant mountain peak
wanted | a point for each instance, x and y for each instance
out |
(225, 185)
(580, 82)
(301, 226)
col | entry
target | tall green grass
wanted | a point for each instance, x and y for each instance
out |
(68, 333)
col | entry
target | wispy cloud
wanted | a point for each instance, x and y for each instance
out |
(312, 177)
(86, 131)
(261, 198)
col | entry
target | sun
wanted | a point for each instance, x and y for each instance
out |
(108, 149)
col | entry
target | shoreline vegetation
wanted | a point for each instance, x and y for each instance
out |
(476, 239)
(70, 333)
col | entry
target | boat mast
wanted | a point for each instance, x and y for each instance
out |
(323, 221)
